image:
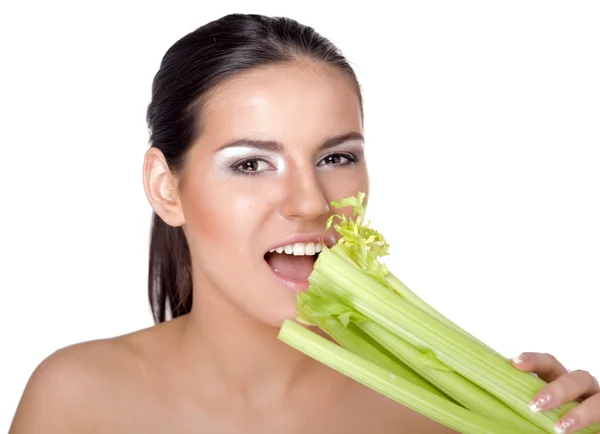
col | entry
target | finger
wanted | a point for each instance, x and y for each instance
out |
(544, 365)
(572, 386)
(584, 415)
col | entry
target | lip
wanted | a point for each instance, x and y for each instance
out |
(296, 285)
(292, 285)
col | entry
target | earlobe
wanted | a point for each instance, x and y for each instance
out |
(161, 188)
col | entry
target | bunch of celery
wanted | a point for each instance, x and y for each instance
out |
(390, 340)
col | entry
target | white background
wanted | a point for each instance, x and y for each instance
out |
(483, 130)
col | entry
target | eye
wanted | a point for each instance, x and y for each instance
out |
(337, 160)
(252, 166)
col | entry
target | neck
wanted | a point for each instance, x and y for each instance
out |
(238, 355)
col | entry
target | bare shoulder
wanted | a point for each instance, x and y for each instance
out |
(77, 382)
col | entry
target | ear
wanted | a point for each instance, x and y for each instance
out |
(161, 188)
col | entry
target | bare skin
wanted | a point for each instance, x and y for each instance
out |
(144, 383)
(221, 369)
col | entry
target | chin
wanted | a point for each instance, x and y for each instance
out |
(282, 315)
(272, 304)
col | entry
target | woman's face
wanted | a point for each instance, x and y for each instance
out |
(276, 146)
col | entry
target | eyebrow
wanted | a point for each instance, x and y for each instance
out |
(275, 146)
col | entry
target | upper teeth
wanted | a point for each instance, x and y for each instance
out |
(299, 249)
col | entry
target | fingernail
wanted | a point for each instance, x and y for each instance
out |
(539, 403)
(564, 425)
(520, 359)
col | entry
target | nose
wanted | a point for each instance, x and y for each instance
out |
(304, 198)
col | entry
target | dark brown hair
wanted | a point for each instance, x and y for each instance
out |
(190, 68)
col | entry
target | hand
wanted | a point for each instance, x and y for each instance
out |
(563, 386)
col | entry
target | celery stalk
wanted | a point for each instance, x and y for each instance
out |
(462, 390)
(356, 341)
(332, 275)
(400, 390)
(346, 338)
(397, 285)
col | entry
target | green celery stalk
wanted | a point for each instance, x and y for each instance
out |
(324, 315)
(397, 285)
(334, 276)
(462, 390)
(400, 390)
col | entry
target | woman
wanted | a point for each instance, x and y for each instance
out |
(256, 126)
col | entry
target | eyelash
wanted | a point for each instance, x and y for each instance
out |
(235, 168)
(350, 157)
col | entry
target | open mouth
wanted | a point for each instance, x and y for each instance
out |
(292, 264)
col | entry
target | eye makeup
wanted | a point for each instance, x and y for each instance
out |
(352, 151)
(251, 160)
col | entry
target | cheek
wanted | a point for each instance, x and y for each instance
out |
(345, 182)
(213, 217)
(225, 214)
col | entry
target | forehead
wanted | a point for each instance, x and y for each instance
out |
(296, 103)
